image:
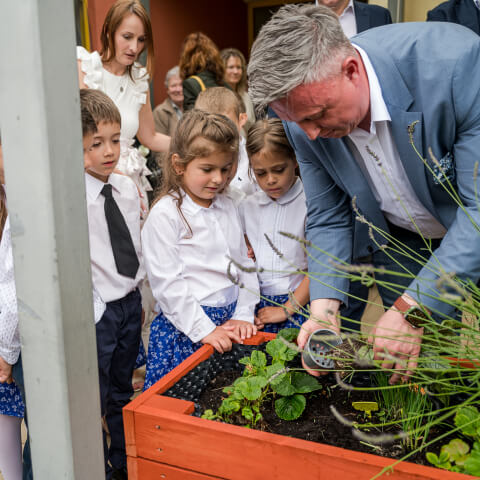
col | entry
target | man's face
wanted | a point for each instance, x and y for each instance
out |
(331, 108)
(175, 90)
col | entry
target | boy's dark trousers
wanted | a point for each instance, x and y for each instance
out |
(118, 337)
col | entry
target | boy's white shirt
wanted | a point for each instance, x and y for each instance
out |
(242, 180)
(261, 215)
(108, 284)
(188, 270)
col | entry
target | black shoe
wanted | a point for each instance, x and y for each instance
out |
(119, 474)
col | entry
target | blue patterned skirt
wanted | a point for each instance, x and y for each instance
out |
(273, 301)
(169, 347)
(11, 402)
(142, 356)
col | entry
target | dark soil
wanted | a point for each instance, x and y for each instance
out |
(317, 423)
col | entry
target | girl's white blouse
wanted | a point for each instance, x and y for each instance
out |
(187, 270)
(262, 216)
(9, 334)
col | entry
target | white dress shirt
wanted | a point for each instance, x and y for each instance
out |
(107, 282)
(261, 215)
(9, 335)
(386, 175)
(189, 269)
(242, 180)
(347, 20)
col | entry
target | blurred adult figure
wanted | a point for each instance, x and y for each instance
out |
(463, 12)
(126, 33)
(356, 17)
(167, 114)
(201, 67)
(236, 78)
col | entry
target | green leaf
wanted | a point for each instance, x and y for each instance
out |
(208, 414)
(468, 419)
(276, 348)
(229, 406)
(258, 358)
(472, 464)
(290, 408)
(247, 413)
(432, 458)
(284, 387)
(305, 383)
(245, 361)
(271, 370)
(443, 457)
(455, 450)
(251, 389)
(258, 417)
(289, 334)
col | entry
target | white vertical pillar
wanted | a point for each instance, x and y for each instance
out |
(41, 139)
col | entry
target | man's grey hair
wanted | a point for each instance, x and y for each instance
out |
(173, 72)
(300, 44)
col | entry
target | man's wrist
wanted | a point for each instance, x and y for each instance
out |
(415, 314)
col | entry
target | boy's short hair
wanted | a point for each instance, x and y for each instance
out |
(97, 107)
(219, 100)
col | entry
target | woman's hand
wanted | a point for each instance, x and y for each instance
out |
(241, 328)
(221, 338)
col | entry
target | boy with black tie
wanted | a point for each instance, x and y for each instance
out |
(113, 207)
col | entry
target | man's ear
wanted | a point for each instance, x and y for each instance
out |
(242, 119)
(351, 67)
(177, 166)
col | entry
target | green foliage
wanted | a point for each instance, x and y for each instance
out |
(261, 380)
(457, 455)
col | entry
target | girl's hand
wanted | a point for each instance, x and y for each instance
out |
(271, 315)
(5, 372)
(258, 323)
(221, 338)
(242, 328)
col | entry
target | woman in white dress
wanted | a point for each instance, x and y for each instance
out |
(126, 33)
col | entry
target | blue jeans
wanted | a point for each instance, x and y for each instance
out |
(17, 373)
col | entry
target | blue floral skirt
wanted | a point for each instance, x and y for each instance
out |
(11, 402)
(168, 347)
(273, 301)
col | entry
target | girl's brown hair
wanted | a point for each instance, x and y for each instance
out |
(198, 54)
(268, 134)
(114, 18)
(226, 53)
(198, 135)
(3, 210)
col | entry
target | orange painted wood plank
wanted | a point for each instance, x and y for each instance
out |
(129, 428)
(132, 467)
(238, 453)
(148, 470)
(169, 403)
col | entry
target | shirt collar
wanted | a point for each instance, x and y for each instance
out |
(348, 8)
(193, 208)
(290, 196)
(93, 186)
(477, 3)
(378, 108)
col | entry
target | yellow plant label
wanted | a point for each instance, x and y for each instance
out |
(367, 407)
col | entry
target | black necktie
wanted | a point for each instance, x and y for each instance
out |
(124, 253)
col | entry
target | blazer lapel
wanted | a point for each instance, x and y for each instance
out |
(362, 18)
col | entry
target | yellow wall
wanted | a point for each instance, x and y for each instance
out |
(413, 10)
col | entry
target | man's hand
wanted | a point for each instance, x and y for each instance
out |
(394, 338)
(241, 328)
(5, 372)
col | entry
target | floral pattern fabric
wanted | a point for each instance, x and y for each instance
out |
(273, 301)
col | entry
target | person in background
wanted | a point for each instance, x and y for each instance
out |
(126, 33)
(463, 12)
(223, 101)
(236, 78)
(167, 114)
(201, 67)
(113, 206)
(356, 17)
(190, 235)
(278, 207)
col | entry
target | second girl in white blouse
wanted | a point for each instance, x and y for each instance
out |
(188, 239)
(279, 207)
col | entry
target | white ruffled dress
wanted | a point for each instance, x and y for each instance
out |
(129, 96)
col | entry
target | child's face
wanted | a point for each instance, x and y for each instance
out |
(275, 172)
(203, 178)
(101, 150)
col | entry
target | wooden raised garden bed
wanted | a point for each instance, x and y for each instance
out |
(164, 441)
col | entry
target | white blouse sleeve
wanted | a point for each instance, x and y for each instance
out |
(9, 334)
(91, 65)
(165, 268)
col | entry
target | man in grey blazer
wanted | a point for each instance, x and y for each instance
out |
(357, 114)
